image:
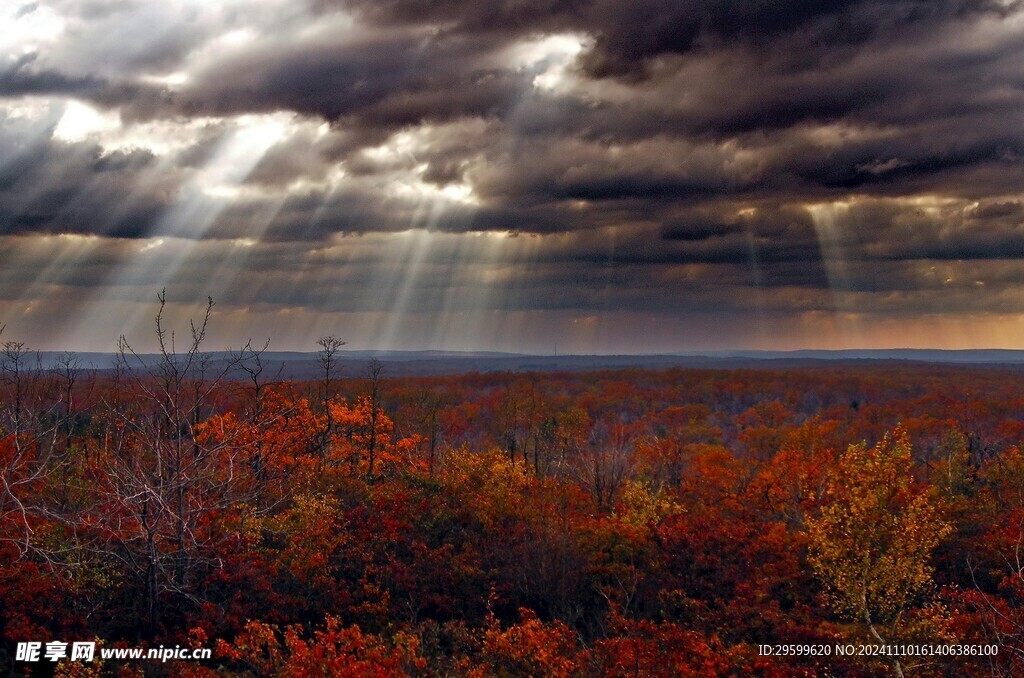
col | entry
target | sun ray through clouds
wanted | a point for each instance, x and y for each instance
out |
(202, 197)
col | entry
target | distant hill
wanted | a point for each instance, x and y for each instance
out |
(300, 365)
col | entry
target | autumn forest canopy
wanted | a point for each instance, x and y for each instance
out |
(628, 522)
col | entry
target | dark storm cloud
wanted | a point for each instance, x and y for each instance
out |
(499, 22)
(437, 63)
(870, 230)
(386, 78)
(632, 34)
(63, 188)
(656, 155)
(629, 35)
(21, 79)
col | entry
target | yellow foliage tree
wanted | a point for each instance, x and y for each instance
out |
(872, 543)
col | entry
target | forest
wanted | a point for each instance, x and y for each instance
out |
(615, 523)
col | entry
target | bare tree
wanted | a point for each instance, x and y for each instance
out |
(430, 404)
(14, 368)
(163, 477)
(249, 360)
(373, 377)
(68, 370)
(606, 462)
(20, 469)
(31, 421)
(327, 358)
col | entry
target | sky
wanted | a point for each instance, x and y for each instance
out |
(579, 176)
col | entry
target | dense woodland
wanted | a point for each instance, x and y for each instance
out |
(607, 523)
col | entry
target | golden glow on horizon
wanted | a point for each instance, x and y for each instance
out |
(531, 331)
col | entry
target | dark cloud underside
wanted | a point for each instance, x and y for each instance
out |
(778, 161)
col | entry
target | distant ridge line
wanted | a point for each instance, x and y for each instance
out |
(302, 365)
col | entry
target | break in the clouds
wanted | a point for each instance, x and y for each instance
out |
(609, 176)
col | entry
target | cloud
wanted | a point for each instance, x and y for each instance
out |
(549, 156)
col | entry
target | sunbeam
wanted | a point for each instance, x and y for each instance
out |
(430, 175)
(192, 213)
(832, 224)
